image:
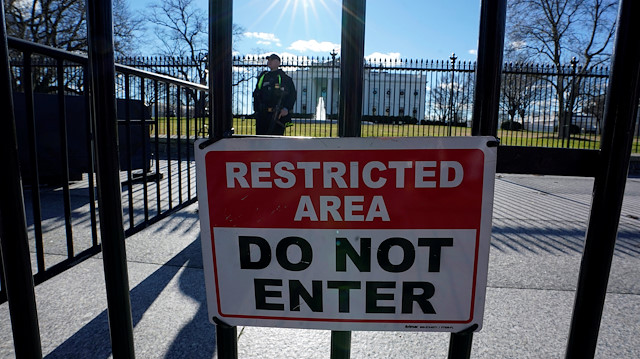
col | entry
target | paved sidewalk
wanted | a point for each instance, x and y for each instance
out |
(538, 233)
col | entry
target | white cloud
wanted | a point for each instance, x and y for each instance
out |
(313, 46)
(283, 55)
(264, 38)
(517, 45)
(473, 52)
(382, 57)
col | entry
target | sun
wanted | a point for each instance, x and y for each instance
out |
(298, 15)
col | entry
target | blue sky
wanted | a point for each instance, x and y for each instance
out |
(408, 29)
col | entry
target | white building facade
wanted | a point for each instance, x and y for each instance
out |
(386, 93)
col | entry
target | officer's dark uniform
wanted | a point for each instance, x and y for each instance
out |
(274, 91)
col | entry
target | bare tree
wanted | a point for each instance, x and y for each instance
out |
(62, 23)
(557, 31)
(56, 23)
(519, 89)
(452, 98)
(126, 30)
(182, 29)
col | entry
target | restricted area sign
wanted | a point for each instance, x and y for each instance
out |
(347, 233)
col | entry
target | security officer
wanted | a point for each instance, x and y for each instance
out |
(273, 98)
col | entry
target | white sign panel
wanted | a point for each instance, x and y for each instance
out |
(347, 233)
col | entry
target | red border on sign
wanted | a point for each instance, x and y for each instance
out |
(441, 214)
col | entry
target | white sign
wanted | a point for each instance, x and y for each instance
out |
(347, 233)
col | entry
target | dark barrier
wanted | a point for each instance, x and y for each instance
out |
(134, 121)
(157, 178)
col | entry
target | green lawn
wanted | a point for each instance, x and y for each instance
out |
(507, 137)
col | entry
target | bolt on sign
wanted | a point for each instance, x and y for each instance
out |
(347, 233)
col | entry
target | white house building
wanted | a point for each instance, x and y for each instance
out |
(385, 93)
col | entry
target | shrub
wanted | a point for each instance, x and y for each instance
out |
(573, 129)
(511, 125)
(399, 120)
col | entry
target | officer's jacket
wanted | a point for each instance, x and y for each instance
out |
(273, 88)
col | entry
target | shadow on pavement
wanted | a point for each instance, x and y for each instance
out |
(195, 340)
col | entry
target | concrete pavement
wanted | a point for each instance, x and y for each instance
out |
(539, 224)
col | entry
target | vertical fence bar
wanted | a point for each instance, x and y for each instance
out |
(340, 344)
(452, 116)
(220, 65)
(167, 117)
(221, 118)
(156, 119)
(102, 69)
(179, 139)
(485, 109)
(351, 67)
(144, 136)
(350, 109)
(621, 109)
(64, 158)
(14, 241)
(188, 130)
(333, 77)
(27, 78)
(489, 67)
(90, 154)
(128, 146)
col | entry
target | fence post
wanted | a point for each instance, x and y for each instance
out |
(220, 67)
(350, 108)
(486, 96)
(14, 241)
(351, 67)
(102, 69)
(221, 119)
(485, 108)
(621, 109)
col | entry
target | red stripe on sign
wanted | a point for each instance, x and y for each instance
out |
(377, 189)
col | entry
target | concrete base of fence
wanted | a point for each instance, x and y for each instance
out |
(539, 224)
(169, 147)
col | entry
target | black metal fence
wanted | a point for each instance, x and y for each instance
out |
(540, 105)
(56, 146)
(161, 113)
